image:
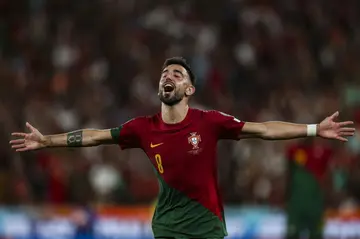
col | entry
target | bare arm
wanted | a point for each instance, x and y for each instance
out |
(79, 138)
(277, 130)
(274, 130)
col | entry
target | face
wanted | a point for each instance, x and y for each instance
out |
(174, 85)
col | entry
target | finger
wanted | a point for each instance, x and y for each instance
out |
(336, 114)
(22, 149)
(17, 146)
(346, 123)
(17, 141)
(347, 133)
(347, 129)
(32, 128)
(19, 134)
(342, 139)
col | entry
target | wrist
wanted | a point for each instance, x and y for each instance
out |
(312, 130)
(317, 129)
(46, 141)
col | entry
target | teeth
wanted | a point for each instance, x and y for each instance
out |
(168, 87)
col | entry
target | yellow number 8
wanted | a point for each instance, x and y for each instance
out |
(159, 163)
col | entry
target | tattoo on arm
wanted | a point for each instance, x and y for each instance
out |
(74, 139)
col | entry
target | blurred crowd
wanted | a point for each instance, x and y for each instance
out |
(67, 64)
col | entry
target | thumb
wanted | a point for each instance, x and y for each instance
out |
(32, 129)
(335, 115)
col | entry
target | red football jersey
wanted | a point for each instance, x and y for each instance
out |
(184, 158)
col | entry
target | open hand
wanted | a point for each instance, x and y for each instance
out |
(329, 129)
(28, 141)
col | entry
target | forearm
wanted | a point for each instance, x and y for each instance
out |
(277, 130)
(78, 138)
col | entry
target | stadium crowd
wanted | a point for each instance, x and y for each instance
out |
(68, 64)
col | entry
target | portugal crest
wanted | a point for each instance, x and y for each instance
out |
(194, 140)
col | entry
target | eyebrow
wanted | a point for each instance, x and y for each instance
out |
(177, 71)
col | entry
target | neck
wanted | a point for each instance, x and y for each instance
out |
(174, 114)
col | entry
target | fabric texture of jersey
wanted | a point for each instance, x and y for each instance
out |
(184, 158)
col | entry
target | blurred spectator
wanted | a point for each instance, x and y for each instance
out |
(66, 65)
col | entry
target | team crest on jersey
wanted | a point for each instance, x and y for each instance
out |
(194, 140)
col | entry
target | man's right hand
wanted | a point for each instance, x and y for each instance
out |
(28, 141)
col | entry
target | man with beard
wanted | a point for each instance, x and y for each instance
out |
(181, 144)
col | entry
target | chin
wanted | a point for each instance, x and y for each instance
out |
(170, 98)
(170, 101)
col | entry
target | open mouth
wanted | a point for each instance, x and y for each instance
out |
(168, 87)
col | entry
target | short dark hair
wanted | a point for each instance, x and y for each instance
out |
(182, 62)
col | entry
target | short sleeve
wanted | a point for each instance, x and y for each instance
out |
(226, 126)
(128, 135)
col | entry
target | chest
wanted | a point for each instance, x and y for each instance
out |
(174, 152)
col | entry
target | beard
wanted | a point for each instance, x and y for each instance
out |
(170, 98)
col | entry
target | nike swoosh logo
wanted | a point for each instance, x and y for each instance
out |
(155, 145)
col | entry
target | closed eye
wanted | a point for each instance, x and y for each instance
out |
(179, 73)
(176, 73)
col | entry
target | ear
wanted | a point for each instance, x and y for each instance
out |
(190, 90)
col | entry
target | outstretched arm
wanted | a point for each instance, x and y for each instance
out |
(275, 130)
(79, 138)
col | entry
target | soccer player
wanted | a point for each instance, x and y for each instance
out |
(181, 144)
(308, 162)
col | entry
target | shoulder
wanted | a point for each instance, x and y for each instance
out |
(215, 116)
(140, 121)
(206, 114)
(202, 115)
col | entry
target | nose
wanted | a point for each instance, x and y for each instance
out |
(168, 78)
